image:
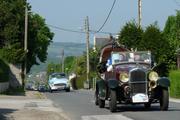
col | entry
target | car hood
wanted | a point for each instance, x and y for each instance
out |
(58, 80)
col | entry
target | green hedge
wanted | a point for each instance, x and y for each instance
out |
(80, 81)
(175, 83)
(4, 71)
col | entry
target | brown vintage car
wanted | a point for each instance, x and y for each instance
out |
(128, 77)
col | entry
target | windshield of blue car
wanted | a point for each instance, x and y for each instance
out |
(131, 57)
(58, 75)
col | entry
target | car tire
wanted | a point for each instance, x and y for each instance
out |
(113, 101)
(50, 90)
(68, 90)
(101, 103)
(96, 98)
(147, 105)
(164, 100)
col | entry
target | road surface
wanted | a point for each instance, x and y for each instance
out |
(79, 105)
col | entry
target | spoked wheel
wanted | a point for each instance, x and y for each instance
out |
(113, 101)
(164, 100)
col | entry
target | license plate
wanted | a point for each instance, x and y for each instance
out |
(60, 87)
(140, 98)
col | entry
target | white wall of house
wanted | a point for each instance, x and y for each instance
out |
(15, 76)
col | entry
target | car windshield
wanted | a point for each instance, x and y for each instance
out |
(58, 75)
(126, 57)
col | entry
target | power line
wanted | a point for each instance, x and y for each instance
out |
(75, 31)
(107, 17)
(65, 29)
(94, 32)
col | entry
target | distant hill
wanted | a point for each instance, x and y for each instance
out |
(55, 52)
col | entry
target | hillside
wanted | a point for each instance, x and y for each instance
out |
(55, 52)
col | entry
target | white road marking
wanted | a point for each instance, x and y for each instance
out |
(105, 117)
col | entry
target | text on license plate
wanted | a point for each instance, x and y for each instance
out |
(138, 98)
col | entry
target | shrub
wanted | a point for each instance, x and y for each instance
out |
(175, 83)
(80, 81)
(4, 71)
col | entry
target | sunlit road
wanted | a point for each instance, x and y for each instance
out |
(79, 105)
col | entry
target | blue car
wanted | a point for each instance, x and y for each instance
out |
(58, 81)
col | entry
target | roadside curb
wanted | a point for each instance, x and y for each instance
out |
(174, 100)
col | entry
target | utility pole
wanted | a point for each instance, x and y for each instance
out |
(87, 47)
(25, 46)
(139, 13)
(62, 60)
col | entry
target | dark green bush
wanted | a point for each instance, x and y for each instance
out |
(4, 71)
(175, 83)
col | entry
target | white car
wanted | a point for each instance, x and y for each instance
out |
(58, 81)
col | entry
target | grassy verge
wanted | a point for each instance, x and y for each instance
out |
(175, 83)
(14, 91)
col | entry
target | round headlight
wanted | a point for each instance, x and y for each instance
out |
(153, 76)
(124, 77)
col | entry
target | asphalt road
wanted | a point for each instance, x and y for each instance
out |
(79, 105)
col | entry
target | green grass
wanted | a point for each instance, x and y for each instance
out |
(175, 83)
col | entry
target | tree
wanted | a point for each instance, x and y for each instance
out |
(70, 63)
(154, 41)
(172, 33)
(151, 39)
(11, 30)
(12, 14)
(131, 35)
(39, 39)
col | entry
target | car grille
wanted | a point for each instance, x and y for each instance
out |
(60, 84)
(138, 81)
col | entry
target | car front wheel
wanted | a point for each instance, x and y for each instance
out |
(147, 105)
(96, 98)
(101, 103)
(164, 100)
(68, 90)
(113, 101)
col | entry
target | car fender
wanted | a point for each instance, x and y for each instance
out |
(113, 84)
(163, 82)
(101, 88)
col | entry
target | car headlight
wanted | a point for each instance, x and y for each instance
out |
(124, 77)
(153, 76)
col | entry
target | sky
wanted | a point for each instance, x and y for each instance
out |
(71, 14)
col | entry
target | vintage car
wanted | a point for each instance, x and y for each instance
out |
(128, 77)
(58, 81)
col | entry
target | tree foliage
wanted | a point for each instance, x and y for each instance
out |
(12, 19)
(154, 41)
(69, 65)
(130, 35)
(11, 30)
(151, 39)
(172, 34)
(39, 39)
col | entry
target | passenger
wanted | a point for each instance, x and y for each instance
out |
(109, 64)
